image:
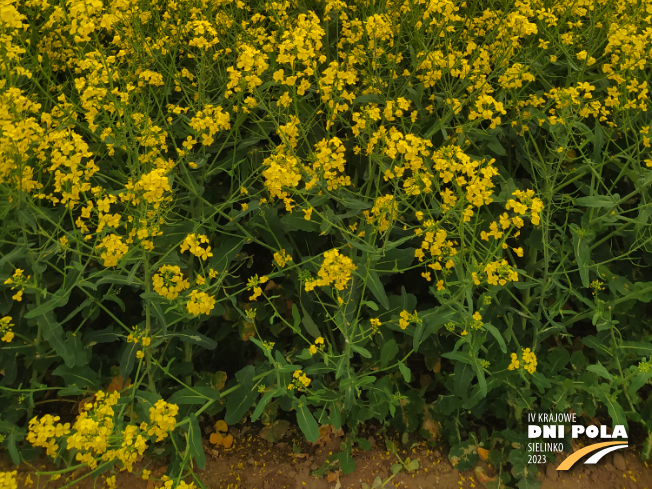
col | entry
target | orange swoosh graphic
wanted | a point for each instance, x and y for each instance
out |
(568, 463)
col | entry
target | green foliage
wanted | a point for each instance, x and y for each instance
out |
(236, 208)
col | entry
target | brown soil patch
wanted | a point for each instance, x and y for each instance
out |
(253, 463)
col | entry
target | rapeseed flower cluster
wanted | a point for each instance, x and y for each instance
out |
(319, 344)
(153, 187)
(95, 436)
(406, 319)
(515, 76)
(528, 360)
(282, 258)
(68, 161)
(407, 152)
(596, 286)
(114, 249)
(335, 270)
(526, 202)
(43, 431)
(138, 335)
(500, 272)
(300, 381)
(200, 303)
(435, 242)
(6, 329)
(8, 479)
(477, 320)
(18, 281)
(515, 363)
(169, 282)
(208, 122)
(193, 243)
(163, 418)
(383, 212)
(329, 166)
(169, 484)
(254, 284)
(282, 171)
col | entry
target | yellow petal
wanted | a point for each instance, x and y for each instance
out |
(227, 441)
(221, 426)
(483, 453)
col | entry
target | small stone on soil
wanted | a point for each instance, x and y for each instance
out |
(551, 472)
(619, 462)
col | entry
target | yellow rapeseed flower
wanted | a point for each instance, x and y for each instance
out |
(169, 281)
(281, 258)
(200, 303)
(193, 243)
(114, 249)
(336, 270)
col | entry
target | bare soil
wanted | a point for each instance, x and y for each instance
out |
(253, 463)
